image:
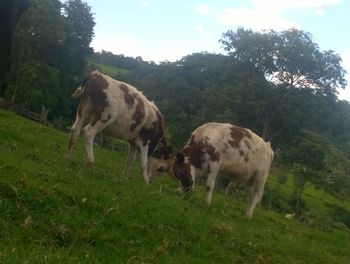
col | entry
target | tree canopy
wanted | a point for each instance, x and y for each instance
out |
(57, 44)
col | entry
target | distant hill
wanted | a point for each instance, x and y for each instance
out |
(58, 211)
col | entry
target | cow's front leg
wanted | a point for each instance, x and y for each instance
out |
(144, 160)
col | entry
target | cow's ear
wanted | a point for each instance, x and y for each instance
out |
(180, 158)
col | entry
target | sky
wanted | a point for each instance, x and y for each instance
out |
(167, 30)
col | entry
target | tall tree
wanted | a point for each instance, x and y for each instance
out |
(57, 46)
(288, 59)
(34, 77)
(10, 12)
(80, 31)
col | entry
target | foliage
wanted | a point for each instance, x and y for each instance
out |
(54, 55)
(289, 57)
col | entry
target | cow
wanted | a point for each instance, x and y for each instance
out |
(220, 147)
(119, 110)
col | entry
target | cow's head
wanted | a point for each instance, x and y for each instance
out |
(182, 172)
(160, 161)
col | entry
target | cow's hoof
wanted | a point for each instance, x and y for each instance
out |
(89, 164)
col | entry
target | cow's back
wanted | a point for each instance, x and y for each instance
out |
(130, 108)
(238, 150)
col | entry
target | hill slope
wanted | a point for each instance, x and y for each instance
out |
(57, 211)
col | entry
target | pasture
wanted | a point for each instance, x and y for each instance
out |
(58, 211)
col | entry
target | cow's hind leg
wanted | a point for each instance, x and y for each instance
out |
(90, 132)
(80, 120)
(210, 183)
(129, 160)
(255, 191)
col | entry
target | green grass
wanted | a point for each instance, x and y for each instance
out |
(108, 69)
(58, 211)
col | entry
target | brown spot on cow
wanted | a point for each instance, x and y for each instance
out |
(93, 88)
(95, 80)
(213, 154)
(154, 134)
(246, 158)
(182, 172)
(241, 152)
(196, 150)
(138, 115)
(237, 134)
(129, 98)
(247, 144)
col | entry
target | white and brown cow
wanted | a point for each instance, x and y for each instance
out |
(120, 111)
(235, 151)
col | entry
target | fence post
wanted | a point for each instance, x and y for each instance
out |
(43, 114)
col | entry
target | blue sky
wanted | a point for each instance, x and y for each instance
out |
(160, 30)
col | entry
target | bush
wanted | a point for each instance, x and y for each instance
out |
(340, 214)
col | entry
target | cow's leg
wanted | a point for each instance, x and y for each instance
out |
(90, 132)
(255, 191)
(144, 160)
(129, 160)
(81, 117)
(230, 186)
(210, 184)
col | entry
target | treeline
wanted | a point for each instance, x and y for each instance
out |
(279, 84)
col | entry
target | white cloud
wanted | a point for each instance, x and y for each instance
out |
(265, 14)
(255, 19)
(319, 6)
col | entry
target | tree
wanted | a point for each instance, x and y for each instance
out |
(46, 69)
(80, 31)
(306, 158)
(10, 12)
(35, 71)
(289, 60)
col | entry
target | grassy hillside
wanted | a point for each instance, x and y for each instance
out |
(107, 69)
(57, 211)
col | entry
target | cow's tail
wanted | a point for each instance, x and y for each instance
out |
(78, 92)
(81, 89)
